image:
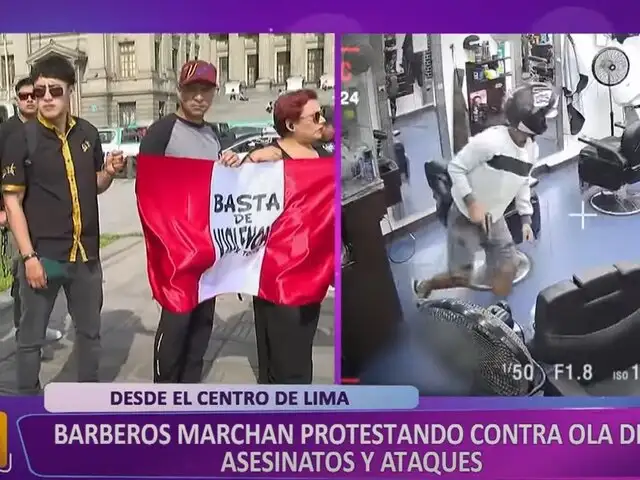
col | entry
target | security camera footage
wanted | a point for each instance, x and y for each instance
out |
(564, 318)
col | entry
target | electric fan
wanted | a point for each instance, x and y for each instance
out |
(610, 67)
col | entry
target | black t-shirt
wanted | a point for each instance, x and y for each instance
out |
(323, 149)
(6, 130)
(60, 185)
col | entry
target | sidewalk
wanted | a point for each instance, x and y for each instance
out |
(129, 320)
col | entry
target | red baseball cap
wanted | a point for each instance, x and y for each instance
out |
(198, 71)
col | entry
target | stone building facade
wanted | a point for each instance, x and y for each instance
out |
(130, 79)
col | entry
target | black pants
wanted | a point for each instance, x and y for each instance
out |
(83, 289)
(15, 293)
(394, 109)
(181, 342)
(285, 342)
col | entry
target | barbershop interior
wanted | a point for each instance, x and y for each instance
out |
(571, 323)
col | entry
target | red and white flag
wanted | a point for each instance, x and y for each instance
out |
(264, 229)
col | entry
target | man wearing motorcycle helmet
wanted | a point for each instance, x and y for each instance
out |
(487, 175)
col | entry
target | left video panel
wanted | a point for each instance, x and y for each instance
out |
(126, 257)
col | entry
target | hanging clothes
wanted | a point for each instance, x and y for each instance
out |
(411, 62)
(575, 79)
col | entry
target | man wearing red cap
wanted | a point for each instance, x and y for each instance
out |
(182, 339)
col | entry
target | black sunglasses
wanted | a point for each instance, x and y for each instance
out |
(54, 90)
(315, 117)
(26, 96)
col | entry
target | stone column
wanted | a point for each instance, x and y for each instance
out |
(329, 57)
(165, 52)
(76, 101)
(20, 50)
(205, 48)
(298, 55)
(97, 61)
(266, 61)
(237, 58)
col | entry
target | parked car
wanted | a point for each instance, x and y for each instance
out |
(126, 140)
(225, 133)
(247, 143)
(246, 130)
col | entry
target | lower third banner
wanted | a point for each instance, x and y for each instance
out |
(506, 445)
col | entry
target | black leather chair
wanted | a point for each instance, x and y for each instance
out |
(612, 164)
(587, 333)
(440, 182)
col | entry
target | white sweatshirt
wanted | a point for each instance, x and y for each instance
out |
(494, 170)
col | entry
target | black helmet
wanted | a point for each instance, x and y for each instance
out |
(528, 107)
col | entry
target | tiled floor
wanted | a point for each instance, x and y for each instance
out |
(563, 249)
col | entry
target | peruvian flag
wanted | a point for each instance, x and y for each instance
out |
(264, 229)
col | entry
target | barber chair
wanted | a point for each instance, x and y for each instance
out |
(587, 332)
(541, 65)
(613, 165)
(440, 183)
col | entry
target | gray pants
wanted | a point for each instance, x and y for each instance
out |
(464, 239)
(83, 289)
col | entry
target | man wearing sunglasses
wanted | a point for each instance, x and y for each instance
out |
(182, 339)
(58, 160)
(27, 110)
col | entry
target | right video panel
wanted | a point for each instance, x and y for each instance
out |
(490, 205)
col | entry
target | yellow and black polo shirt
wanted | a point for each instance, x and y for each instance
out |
(60, 185)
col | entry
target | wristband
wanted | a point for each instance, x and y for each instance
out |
(29, 256)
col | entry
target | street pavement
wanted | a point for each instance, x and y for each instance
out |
(130, 318)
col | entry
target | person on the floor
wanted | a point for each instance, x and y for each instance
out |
(284, 334)
(487, 175)
(27, 110)
(58, 160)
(182, 339)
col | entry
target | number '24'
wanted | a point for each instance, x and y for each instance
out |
(349, 98)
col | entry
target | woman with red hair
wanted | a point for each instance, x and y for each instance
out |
(284, 334)
(299, 119)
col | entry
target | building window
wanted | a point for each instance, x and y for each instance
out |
(315, 64)
(8, 70)
(127, 114)
(127, 59)
(161, 107)
(283, 67)
(156, 55)
(252, 70)
(174, 58)
(223, 70)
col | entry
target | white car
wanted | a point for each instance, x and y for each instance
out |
(126, 140)
(245, 144)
